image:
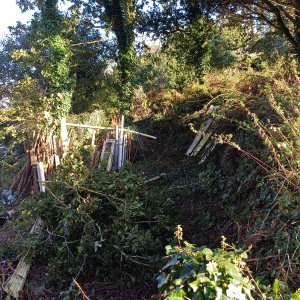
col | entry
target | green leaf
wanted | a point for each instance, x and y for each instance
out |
(161, 280)
(171, 262)
(177, 294)
(212, 268)
(208, 253)
(244, 255)
(194, 285)
(296, 295)
(168, 249)
(276, 287)
(178, 281)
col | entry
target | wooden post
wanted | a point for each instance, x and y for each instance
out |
(121, 142)
(41, 176)
(116, 148)
(199, 136)
(56, 151)
(64, 136)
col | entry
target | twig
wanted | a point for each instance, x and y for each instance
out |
(85, 297)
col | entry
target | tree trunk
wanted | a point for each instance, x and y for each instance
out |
(121, 15)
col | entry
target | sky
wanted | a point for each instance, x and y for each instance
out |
(10, 14)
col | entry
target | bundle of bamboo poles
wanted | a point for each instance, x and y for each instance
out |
(113, 150)
(46, 148)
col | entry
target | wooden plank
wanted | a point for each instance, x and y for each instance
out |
(41, 176)
(102, 152)
(199, 136)
(107, 153)
(32, 157)
(202, 143)
(55, 150)
(116, 154)
(111, 157)
(110, 128)
(208, 149)
(16, 282)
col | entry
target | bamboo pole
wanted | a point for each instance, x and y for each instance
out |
(142, 134)
(89, 126)
(110, 128)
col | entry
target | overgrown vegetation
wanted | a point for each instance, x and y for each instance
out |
(239, 56)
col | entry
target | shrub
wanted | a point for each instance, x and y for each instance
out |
(202, 273)
(100, 221)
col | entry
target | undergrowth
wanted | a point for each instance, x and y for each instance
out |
(265, 107)
(100, 224)
(254, 172)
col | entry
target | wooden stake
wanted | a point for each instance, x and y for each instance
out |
(202, 143)
(55, 151)
(116, 154)
(120, 151)
(64, 136)
(41, 176)
(199, 136)
(16, 282)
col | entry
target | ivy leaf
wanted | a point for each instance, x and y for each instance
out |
(171, 262)
(194, 285)
(177, 294)
(168, 249)
(212, 268)
(161, 280)
(208, 253)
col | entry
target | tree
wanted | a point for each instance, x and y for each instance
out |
(121, 16)
(184, 27)
(282, 15)
(47, 62)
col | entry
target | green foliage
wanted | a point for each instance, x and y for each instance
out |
(202, 273)
(227, 46)
(48, 60)
(193, 46)
(296, 295)
(121, 17)
(266, 110)
(100, 222)
(270, 47)
(158, 71)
